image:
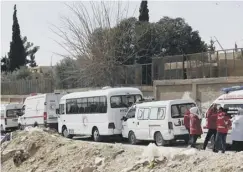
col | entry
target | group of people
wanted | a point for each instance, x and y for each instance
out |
(218, 124)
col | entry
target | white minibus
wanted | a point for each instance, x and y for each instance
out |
(9, 116)
(232, 100)
(95, 113)
(159, 121)
(40, 110)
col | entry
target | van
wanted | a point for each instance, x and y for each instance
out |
(9, 116)
(40, 110)
(232, 99)
(159, 121)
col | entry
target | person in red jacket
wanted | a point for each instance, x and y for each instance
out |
(195, 125)
(223, 125)
(211, 124)
(187, 120)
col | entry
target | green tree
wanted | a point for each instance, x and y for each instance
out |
(30, 51)
(177, 37)
(17, 56)
(143, 12)
(4, 63)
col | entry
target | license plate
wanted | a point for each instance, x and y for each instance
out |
(71, 131)
(14, 120)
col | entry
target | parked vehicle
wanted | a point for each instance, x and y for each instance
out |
(159, 121)
(95, 113)
(9, 116)
(40, 110)
(232, 99)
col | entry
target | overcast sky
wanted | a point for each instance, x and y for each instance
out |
(221, 19)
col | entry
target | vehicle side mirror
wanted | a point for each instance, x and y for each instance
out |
(57, 111)
(19, 113)
(124, 118)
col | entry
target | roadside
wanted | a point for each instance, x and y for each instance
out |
(38, 150)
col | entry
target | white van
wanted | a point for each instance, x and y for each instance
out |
(159, 121)
(9, 116)
(40, 110)
(232, 100)
(95, 113)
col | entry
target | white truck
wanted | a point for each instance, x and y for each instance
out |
(9, 116)
(159, 121)
(40, 110)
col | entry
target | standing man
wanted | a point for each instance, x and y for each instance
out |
(211, 124)
(187, 120)
(223, 125)
(237, 131)
(195, 125)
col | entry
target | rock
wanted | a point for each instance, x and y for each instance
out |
(99, 161)
(87, 169)
(8, 154)
(20, 157)
(117, 153)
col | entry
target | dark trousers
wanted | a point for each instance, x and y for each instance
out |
(237, 146)
(211, 132)
(194, 140)
(220, 142)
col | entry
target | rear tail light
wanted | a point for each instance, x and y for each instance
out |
(111, 126)
(170, 125)
(5, 120)
(45, 116)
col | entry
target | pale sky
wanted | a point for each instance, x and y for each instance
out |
(220, 19)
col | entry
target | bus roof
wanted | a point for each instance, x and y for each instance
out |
(103, 92)
(165, 102)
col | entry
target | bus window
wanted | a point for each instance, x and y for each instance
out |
(124, 101)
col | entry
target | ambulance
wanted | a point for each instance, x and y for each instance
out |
(9, 116)
(40, 110)
(159, 121)
(232, 99)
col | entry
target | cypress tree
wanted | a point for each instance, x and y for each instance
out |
(143, 11)
(17, 55)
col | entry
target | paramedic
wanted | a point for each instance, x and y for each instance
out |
(237, 131)
(211, 124)
(223, 125)
(195, 125)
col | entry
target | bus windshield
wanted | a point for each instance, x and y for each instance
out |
(124, 101)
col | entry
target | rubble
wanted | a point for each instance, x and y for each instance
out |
(37, 150)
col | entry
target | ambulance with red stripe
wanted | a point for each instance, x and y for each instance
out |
(232, 99)
(9, 116)
(40, 110)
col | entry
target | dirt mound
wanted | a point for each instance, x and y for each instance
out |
(36, 150)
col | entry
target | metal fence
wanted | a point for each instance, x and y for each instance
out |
(201, 65)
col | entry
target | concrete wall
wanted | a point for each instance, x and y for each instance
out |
(204, 90)
(147, 92)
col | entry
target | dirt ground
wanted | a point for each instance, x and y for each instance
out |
(36, 150)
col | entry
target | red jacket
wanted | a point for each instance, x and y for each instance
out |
(195, 125)
(211, 119)
(223, 123)
(187, 119)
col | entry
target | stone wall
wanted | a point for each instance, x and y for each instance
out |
(204, 90)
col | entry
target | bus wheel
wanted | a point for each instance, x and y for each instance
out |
(159, 139)
(65, 133)
(96, 135)
(132, 138)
